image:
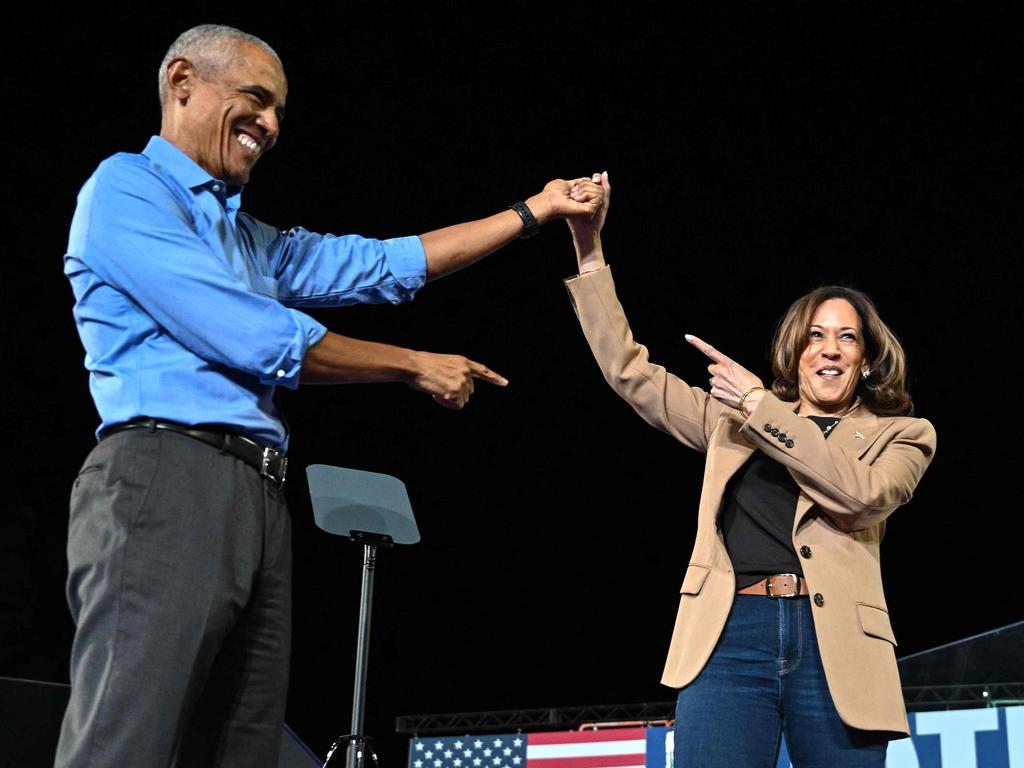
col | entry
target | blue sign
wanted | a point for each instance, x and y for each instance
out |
(963, 738)
(960, 738)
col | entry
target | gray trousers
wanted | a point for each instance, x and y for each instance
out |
(179, 584)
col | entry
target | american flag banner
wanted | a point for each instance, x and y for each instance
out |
(991, 737)
(608, 748)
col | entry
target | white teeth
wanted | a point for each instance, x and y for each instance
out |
(248, 143)
(829, 372)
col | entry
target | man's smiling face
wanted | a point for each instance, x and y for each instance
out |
(232, 116)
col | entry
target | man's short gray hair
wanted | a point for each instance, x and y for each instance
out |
(209, 48)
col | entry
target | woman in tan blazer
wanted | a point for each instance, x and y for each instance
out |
(782, 622)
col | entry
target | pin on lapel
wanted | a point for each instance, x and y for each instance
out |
(858, 436)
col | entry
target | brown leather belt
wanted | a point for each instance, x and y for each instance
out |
(779, 585)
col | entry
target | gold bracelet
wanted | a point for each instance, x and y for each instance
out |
(743, 397)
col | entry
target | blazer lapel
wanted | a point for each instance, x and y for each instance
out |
(855, 434)
(803, 506)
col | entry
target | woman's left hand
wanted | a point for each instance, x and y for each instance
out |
(586, 230)
(730, 380)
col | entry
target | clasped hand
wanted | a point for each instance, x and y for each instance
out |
(562, 199)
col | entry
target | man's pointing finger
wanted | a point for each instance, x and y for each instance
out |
(481, 371)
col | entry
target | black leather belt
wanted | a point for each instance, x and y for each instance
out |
(269, 462)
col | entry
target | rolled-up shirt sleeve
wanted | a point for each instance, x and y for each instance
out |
(138, 237)
(337, 270)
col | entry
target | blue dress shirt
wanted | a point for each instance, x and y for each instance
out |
(185, 304)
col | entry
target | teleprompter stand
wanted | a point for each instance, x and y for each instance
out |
(373, 510)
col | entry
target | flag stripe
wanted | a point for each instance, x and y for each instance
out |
(594, 749)
(576, 737)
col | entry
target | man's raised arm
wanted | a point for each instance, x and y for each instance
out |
(452, 248)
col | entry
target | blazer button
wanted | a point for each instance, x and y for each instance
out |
(775, 431)
(767, 427)
(789, 443)
(805, 551)
(818, 599)
(782, 437)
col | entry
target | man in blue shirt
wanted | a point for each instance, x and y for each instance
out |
(179, 540)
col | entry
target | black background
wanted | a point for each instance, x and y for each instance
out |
(756, 150)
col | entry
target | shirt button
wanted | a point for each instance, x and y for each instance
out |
(789, 443)
(767, 427)
(775, 431)
(280, 373)
(215, 187)
(782, 437)
(818, 599)
(805, 551)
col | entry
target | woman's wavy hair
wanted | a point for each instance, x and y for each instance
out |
(884, 392)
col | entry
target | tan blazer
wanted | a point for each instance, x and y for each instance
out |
(848, 484)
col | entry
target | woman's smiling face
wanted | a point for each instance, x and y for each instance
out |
(832, 362)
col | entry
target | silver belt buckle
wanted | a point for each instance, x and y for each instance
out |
(269, 454)
(796, 585)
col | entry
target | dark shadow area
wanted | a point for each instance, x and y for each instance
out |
(756, 151)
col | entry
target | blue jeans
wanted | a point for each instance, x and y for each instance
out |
(765, 678)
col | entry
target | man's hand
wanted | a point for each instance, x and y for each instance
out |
(561, 199)
(449, 378)
(730, 380)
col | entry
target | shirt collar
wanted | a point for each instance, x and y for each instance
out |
(187, 172)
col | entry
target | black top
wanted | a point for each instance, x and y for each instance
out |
(757, 516)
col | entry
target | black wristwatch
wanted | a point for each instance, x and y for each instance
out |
(530, 225)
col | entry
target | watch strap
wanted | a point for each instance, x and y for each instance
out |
(530, 225)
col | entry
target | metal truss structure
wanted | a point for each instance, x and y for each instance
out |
(918, 699)
(925, 698)
(555, 718)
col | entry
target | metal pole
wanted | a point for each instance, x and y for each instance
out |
(362, 652)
